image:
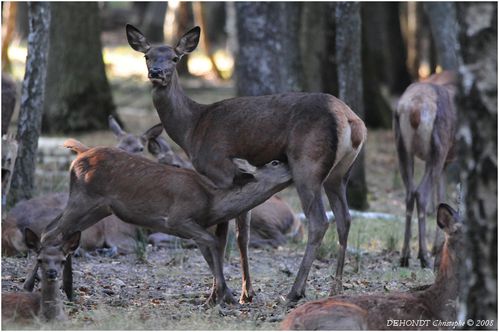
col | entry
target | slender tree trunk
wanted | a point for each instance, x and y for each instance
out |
(478, 151)
(268, 59)
(348, 56)
(443, 23)
(78, 95)
(32, 97)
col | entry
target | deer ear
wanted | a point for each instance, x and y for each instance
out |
(188, 42)
(154, 147)
(115, 127)
(447, 218)
(136, 39)
(153, 132)
(244, 166)
(71, 244)
(31, 239)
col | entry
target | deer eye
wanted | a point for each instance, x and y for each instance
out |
(274, 163)
(39, 260)
(175, 59)
(146, 57)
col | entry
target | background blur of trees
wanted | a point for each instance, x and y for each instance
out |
(277, 47)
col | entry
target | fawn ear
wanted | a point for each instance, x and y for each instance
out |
(244, 166)
(71, 244)
(136, 39)
(188, 42)
(115, 127)
(153, 132)
(31, 239)
(447, 218)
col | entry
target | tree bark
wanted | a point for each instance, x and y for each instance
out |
(443, 24)
(154, 20)
(78, 95)
(478, 151)
(268, 59)
(348, 56)
(32, 97)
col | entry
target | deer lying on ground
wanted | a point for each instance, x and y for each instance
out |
(272, 222)
(163, 198)
(430, 307)
(46, 304)
(424, 125)
(317, 134)
(9, 156)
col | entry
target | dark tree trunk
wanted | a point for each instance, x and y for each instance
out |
(478, 151)
(268, 59)
(348, 57)
(383, 60)
(443, 23)
(32, 96)
(314, 45)
(154, 20)
(78, 96)
(22, 25)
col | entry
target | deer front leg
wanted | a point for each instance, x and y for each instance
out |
(243, 234)
(67, 278)
(221, 233)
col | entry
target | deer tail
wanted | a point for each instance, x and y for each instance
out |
(75, 146)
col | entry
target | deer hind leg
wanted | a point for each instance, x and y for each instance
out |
(209, 246)
(406, 166)
(243, 234)
(433, 170)
(221, 233)
(335, 188)
(439, 235)
(309, 191)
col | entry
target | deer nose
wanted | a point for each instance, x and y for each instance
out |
(155, 73)
(51, 274)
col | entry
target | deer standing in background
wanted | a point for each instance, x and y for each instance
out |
(425, 125)
(164, 198)
(23, 306)
(435, 304)
(317, 134)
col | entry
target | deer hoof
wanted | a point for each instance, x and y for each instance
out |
(294, 297)
(336, 287)
(425, 263)
(247, 297)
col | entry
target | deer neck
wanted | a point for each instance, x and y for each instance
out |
(442, 295)
(229, 203)
(51, 305)
(178, 113)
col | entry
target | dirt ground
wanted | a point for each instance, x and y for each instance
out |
(168, 288)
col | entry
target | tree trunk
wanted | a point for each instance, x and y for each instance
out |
(78, 96)
(32, 96)
(348, 56)
(154, 20)
(313, 45)
(268, 59)
(443, 23)
(478, 151)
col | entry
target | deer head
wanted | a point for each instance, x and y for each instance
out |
(161, 61)
(51, 258)
(133, 143)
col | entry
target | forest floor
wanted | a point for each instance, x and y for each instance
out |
(166, 290)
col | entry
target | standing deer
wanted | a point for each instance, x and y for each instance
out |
(22, 306)
(431, 306)
(317, 134)
(167, 199)
(424, 126)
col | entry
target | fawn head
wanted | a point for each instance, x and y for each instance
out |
(51, 258)
(133, 143)
(161, 61)
(274, 172)
(451, 256)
